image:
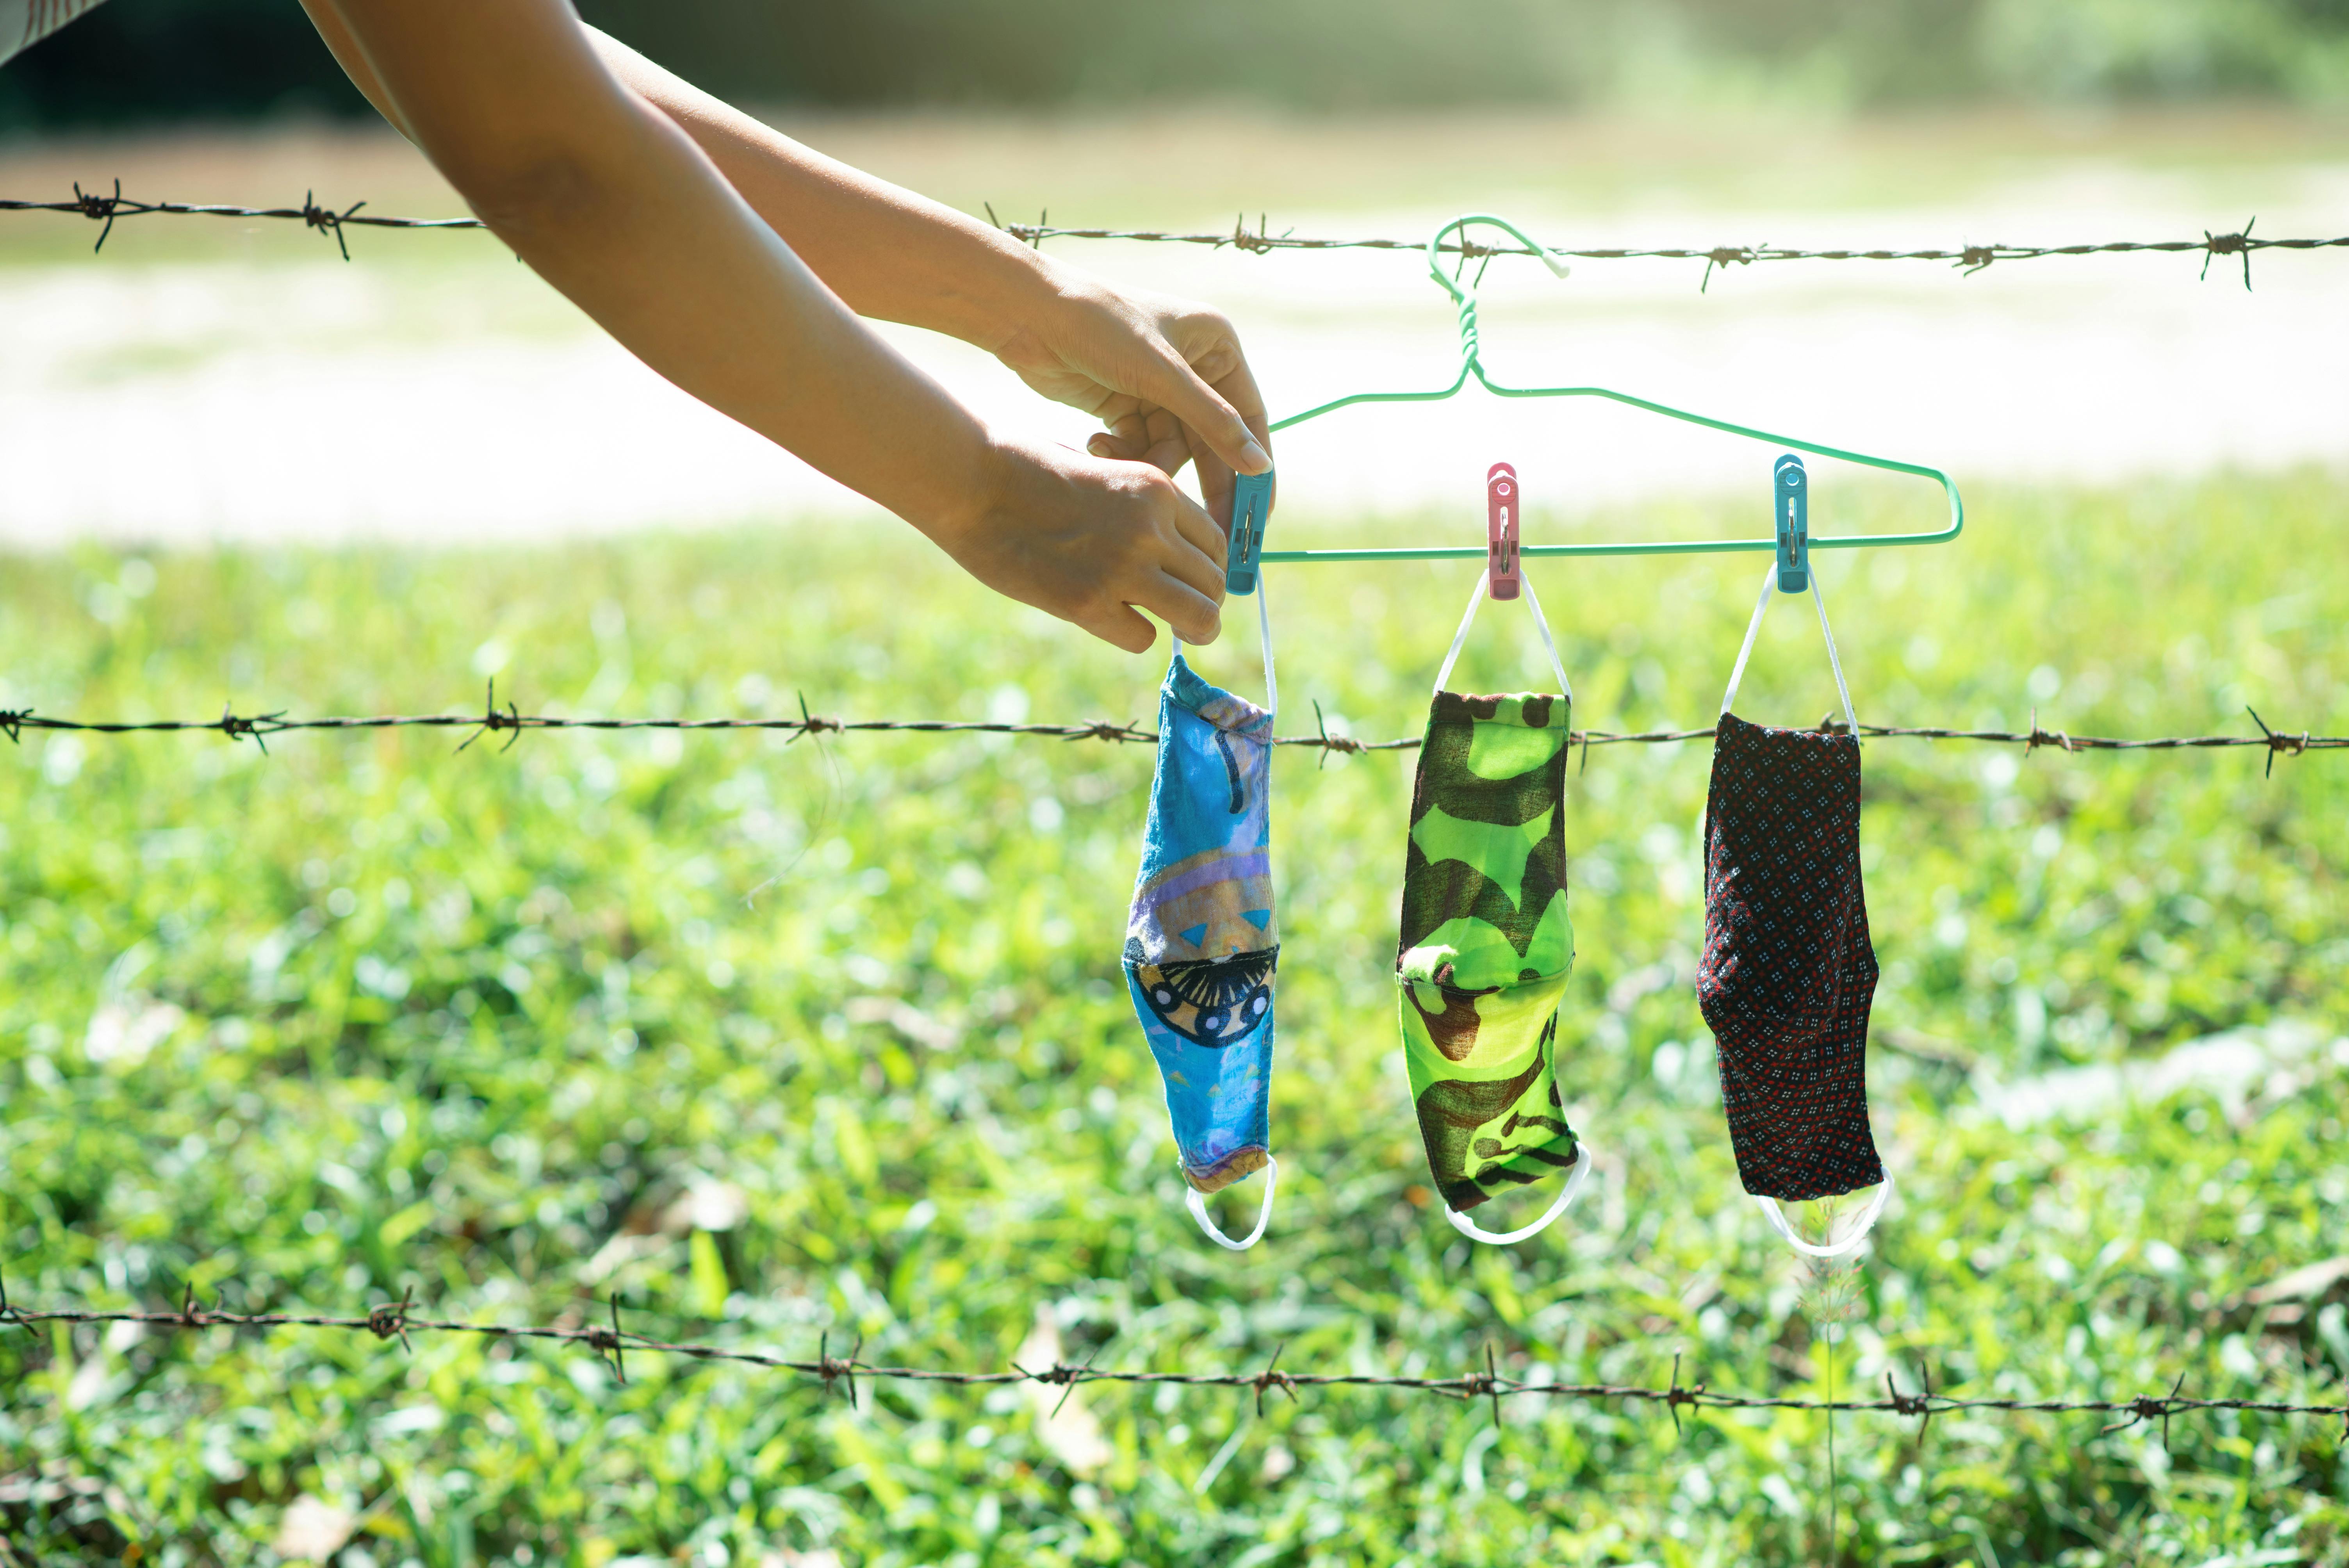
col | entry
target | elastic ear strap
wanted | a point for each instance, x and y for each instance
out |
(1833, 663)
(1460, 637)
(1199, 1205)
(1867, 1222)
(1541, 625)
(1746, 650)
(1564, 1201)
(1264, 633)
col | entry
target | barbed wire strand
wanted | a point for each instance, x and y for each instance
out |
(400, 1320)
(106, 208)
(511, 720)
(1969, 258)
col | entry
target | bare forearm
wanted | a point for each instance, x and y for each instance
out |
(611, 203)
(354, 61)
(888, 252)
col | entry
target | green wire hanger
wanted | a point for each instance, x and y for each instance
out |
(1250, 510)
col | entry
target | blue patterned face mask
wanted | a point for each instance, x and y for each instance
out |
(1200, 942)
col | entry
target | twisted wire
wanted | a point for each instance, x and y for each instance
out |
(511, 721)
(400, 1320)
(107, 208)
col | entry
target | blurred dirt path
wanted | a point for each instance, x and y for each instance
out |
(180, 390)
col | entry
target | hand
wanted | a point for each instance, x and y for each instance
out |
(1088, 540)
(1167, 377)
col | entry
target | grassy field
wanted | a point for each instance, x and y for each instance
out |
(787, 1044)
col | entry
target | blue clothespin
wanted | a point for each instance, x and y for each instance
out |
(1791, 498)
(1251, 505)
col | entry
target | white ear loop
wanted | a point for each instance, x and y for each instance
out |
(1460, 637)
(1199, 1204)
(1834, 662)
(1745, 649)
(1868, 1216)
(1264, 635)
(1541, 625)
(1564, 1200)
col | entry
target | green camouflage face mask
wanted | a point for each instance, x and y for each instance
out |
(1487, 946)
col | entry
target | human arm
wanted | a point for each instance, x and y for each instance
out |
(610, 201)
(1167, 375)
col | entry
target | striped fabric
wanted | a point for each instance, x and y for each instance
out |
(24, 23)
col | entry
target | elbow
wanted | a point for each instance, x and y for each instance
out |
(521, 195)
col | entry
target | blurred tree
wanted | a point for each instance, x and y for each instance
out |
(173, 59)
(145, 60)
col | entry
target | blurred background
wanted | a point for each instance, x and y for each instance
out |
(145, 61)
(431, 390)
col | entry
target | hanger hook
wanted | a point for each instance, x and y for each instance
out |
(1459, 226)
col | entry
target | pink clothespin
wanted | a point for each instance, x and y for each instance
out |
(1502, 505)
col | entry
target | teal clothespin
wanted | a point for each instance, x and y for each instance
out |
(1792, 501)
(1251, 506)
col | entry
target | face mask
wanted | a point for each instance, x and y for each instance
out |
(1200, 944)
(1788, 974)
(1485, 946)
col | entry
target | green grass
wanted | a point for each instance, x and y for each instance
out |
(475, 1023)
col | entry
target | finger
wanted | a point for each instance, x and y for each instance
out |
(1169, 455)
(1104, 444)
(1214, 480)
(1175, 386)
(1192, 614)
(1120, 627)
(1133, 427)
(1189, 565)
(1156, 437)
(1195, 528)
(1238, 386)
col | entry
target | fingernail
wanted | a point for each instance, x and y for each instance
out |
(1255, 459)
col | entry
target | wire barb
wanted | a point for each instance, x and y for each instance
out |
(492, 720)
(1273, 1377)
(2293, 743)
(2146, 1406)
(1676, 1396)
(388, 1320)
(832, 1369)
(2237, 245)
(328, 220)
(1070, 1376)
(94, 206)
(1919, 1405)
(254, 728)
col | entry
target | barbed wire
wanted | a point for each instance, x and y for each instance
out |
(612, 1343)
(106, 208)
(511, 721)
(1969, 258)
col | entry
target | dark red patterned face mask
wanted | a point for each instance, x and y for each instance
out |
(1788, 973)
